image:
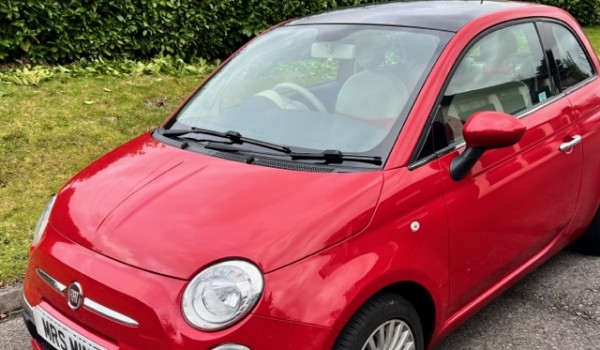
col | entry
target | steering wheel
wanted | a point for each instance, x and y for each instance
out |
(309, 96)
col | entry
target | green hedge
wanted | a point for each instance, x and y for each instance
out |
(68, 30)
(587, 12)
(59, 31)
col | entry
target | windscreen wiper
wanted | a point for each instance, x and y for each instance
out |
(335, 157)
(233, 136)
(329, 156)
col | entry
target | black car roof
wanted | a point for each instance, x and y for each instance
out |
(442, 15)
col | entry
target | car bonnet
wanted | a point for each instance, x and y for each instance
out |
(173, 212)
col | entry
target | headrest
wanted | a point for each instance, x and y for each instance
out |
(499, 48)
(370, 50)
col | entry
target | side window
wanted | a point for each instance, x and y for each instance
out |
(571, 61)
(504, 71)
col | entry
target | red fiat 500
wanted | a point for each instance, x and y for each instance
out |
(361, 179)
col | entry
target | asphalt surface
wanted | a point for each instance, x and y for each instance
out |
(13, 334)
(556, 307)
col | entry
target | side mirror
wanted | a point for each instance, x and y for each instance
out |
(485, 130)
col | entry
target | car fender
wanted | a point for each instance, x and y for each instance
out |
(327, 288)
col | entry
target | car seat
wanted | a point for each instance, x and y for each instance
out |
(371, 95)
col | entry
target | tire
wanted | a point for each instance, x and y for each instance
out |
(387, 311)
(590, 242)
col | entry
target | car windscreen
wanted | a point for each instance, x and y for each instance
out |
(315, 88)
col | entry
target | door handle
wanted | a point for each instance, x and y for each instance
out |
(565, 147)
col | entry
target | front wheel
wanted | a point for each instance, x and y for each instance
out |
(386, 322)
(590, 242)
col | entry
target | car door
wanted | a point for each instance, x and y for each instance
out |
(575, 73)
(515, 200)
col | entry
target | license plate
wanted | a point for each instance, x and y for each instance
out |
(60, 336)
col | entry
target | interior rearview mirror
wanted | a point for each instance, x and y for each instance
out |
(332, 51)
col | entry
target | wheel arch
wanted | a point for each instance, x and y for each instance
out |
(423, 302)
(416, 294)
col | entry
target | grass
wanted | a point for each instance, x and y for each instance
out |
(593, 33)
(51, 131)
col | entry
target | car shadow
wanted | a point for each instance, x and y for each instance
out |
(560, 296)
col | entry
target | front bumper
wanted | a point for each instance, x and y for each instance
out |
(153, 301)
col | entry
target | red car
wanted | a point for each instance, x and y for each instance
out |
(360, 179)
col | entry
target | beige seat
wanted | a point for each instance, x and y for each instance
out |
(488, 86)
(371, 95)
(500, 72)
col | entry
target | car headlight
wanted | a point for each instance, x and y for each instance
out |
(222, 294)
(43, 222)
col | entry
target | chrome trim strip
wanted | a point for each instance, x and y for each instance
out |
(581, 84)
(27, 309)
(109, 313)
(57, 286)
(88, 303)
(527, 112)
